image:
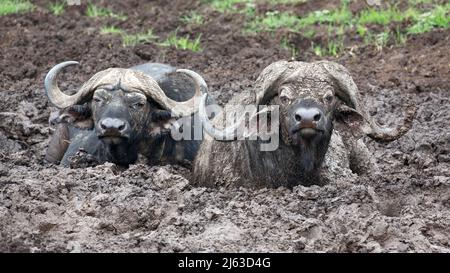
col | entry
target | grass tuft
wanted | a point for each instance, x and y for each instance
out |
(380, 17)
(96, 12)
(437, 18)
(138, 38)
(276, 2)
(184, 43)
(226, 5)
(110, 30)
(340, 16)
(14, 6)
(285, 44)
(57, 8)
(273, 21)
(193, 18)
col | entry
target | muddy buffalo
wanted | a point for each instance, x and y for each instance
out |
(121, 113)
(320, 116)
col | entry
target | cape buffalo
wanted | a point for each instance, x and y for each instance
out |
(120, 113)
(320, 117)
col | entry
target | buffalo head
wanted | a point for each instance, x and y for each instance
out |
(125, 105)
(311, 97)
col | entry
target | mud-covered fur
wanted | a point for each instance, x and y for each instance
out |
(78, 127)
(298, 160)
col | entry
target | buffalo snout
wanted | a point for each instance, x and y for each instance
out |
(307, 120)
(113, 128)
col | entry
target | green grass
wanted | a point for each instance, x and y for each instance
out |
(340, 16)
(412, 20)
(331, 49)
(381, 39)
(309, 33)
(381, 17)
(439, 17)
(399, 37)
(337, 22)
(334, 48)
(361, 30)
(57, 8)
(386, 16)
(226, 5)
(416, 2)
(138, 38)
(184, 43)
(273, 21)
(275, 2)
(318, 50)
(110, 30)
(96, 12)
(285, 44)
(418, 22)
(193, 18)
(14, 6)
(231, 5)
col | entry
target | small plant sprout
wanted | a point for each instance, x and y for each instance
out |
(285, 44)
(192, 18)
(96, 12)
(57, 8)
(184, 43)
(139, 38)
(381, 40)
(110, 30)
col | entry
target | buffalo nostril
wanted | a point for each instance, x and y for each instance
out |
(306, 115)
(317, 117)
(103, 126)
(121, 127)
(113, 124)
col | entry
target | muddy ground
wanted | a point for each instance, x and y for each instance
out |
(49, 208)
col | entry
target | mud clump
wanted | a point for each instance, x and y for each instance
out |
(92, 208)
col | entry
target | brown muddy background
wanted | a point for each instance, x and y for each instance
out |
(49, 208)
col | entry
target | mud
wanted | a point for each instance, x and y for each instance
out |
(87, 208)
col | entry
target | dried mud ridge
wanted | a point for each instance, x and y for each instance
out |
(103, 208)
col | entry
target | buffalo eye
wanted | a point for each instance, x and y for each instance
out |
(138, 104)
(328, 98)
(97, 99)
(284, 96)
(284, 99)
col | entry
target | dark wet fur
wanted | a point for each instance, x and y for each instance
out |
(157, 148)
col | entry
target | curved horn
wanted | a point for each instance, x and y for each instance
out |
(186, 108)
(222, 135)
(54, 94)
(348, 92)
(382, 134)
(267, 81)
(266, 84)
(229, 133)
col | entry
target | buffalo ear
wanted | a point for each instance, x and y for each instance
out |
(350, 120)
(78, 116)
(161, 122)
(260, 123)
